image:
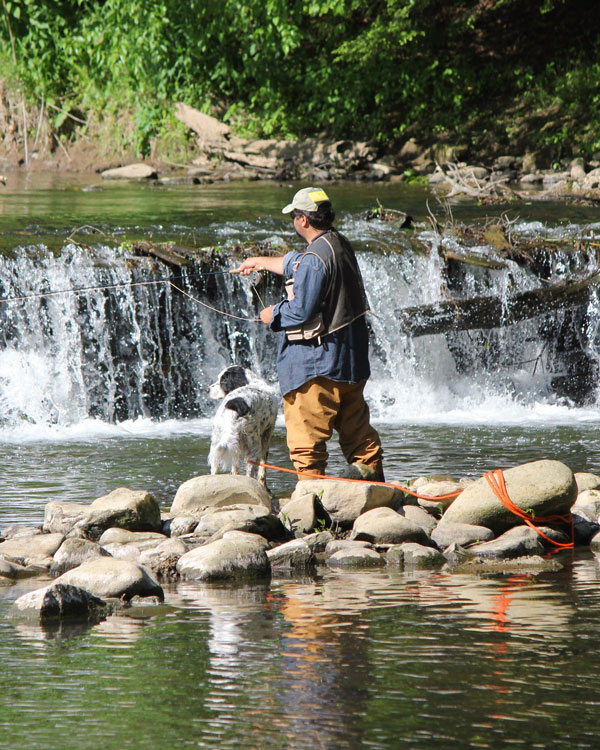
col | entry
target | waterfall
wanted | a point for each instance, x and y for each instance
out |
(122, 348)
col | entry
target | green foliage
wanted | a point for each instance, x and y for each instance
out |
(350, 68)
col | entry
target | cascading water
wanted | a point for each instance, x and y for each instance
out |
(124, 348)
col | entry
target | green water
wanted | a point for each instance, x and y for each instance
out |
(372, 660)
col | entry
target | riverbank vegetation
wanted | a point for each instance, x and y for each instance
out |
(490, 76)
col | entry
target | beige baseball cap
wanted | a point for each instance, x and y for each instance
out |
(307, 199)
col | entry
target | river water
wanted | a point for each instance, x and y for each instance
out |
(377, 660)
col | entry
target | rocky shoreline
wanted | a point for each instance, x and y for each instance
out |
(95, 559)
(217, 154)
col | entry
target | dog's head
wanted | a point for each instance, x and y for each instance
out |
(229, 379)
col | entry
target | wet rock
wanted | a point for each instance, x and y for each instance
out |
(11, 570)
(515, 542)
(253, 519)
(545, 487)
(345, 544)
(130, 172)
(412, 555)
(31, 549)
(162, 560)
(584, 526)
(60, 601)
(294, 555)
(463, 534)
(528, 564)
(74, 552)
(344, 502)
(385, 526)
(108, 577)
(300, 513)
(135, 510)
(356, 558)
(236, 555)
(198, 494)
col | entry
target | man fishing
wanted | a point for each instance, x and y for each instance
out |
(323, 356)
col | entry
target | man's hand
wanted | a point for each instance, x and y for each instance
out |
(249, 265)
(274, 264)
(266, 315)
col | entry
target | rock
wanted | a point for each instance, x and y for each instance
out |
(140, 539)
(124, 552)
(180, 525)
(130, 172)
(577, 169)
(210, 130)
(217, 490)
(236, 555)
(592, 180)
(462, 534)
(588, 502)
(356, 558)
(343, 544)
(292, 555)
(60, 601)
(595, 543)
(162, 560)
(300, 513)
(17, 531)
(253, 519)
(516, 542)
(344, 502)
(586, 481)
(420, 516)
(411, 555)
(385, 526)
(584, 527)
(135, 510)
(528, 564)
(107, 577)
(434, 491)
(11, 570)
(74, 552)
(28, 550)
(545, 487)
(318, 541)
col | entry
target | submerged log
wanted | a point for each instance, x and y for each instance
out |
(493, 312)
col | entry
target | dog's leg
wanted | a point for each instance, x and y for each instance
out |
(265, 442)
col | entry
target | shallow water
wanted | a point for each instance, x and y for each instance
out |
(376, 660)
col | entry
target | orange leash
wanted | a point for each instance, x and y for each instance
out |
(497, 483)
(347, 479)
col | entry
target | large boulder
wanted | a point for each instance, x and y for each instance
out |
(385, 526)
(59, 601)
(135, 510)
(217, 490)
(344, 502)
(108, 577)
(236, 555)
(543, 487)
(30, 550)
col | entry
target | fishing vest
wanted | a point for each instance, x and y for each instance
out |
(345, 299)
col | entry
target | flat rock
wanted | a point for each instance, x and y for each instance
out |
(335, 545)
(130, 172)
(25, 550)
(217, 490)
(545, 487)
(108, 577)
(416, 556)
(359, 557)
(516, 542)
(385, 526)
(236, 555)
(74, 552)
(60, 601)
(463, 534)
(344, 502)
(526, 564)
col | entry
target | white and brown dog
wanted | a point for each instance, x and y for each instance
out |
(244, 422)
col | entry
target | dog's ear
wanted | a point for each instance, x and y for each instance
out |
(233, 377)
(238, 405)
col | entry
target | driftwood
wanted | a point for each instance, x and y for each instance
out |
(493, 312)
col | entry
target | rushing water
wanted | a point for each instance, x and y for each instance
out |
(376, 660)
